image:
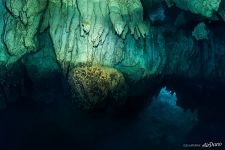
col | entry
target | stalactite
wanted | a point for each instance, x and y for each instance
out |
(110, 33)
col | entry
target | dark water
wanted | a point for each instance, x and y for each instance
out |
(58, 125)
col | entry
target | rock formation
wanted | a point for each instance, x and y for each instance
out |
(111, 35)
(91, 85)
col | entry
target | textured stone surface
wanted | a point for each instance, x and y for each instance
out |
(110, 33)
(202, 7)
(3, 53)
(91, 31)
(200, 32)
(221, 10)
(22, 23)
(92, 86)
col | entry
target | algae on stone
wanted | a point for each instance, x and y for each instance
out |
(92, 85)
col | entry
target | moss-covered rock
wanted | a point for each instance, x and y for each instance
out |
(91, 86)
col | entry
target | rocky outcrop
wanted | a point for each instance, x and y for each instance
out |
(93, 85)
(203, 7)
(93, 31)
(114, 37)
(22, 25)
(200, 32)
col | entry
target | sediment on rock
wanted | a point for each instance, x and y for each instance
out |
(91, 86)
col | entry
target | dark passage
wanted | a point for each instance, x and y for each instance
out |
(160, 125)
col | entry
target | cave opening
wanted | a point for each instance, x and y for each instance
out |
(99, 74)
